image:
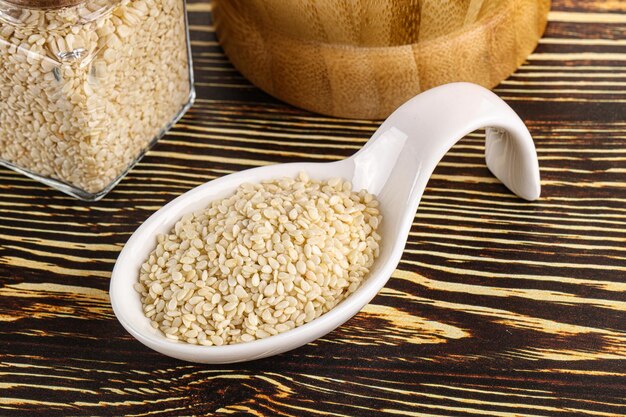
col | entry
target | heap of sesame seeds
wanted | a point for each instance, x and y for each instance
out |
(271, 257)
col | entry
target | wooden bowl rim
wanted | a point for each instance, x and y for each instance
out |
(425, 44)
(484, 22)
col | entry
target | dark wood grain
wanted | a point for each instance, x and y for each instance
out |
(498, 307)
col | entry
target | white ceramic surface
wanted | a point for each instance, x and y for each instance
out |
(395, 164)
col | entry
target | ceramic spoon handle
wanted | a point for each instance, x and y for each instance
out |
(410, 143)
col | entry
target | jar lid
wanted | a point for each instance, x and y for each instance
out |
(45, 4)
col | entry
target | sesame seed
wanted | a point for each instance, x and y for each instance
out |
(233, 272)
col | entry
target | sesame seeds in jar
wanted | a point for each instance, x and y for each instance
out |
(86, 88)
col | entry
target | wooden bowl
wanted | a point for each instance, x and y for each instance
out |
(363, 58)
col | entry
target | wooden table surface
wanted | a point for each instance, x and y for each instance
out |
(498, 307)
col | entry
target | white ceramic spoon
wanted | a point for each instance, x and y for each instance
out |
(395, 164)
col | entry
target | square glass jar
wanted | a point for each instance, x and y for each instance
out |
(88, 86)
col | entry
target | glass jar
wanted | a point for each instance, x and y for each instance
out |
(87, 86)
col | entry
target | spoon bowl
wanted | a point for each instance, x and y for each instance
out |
(395, 165)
